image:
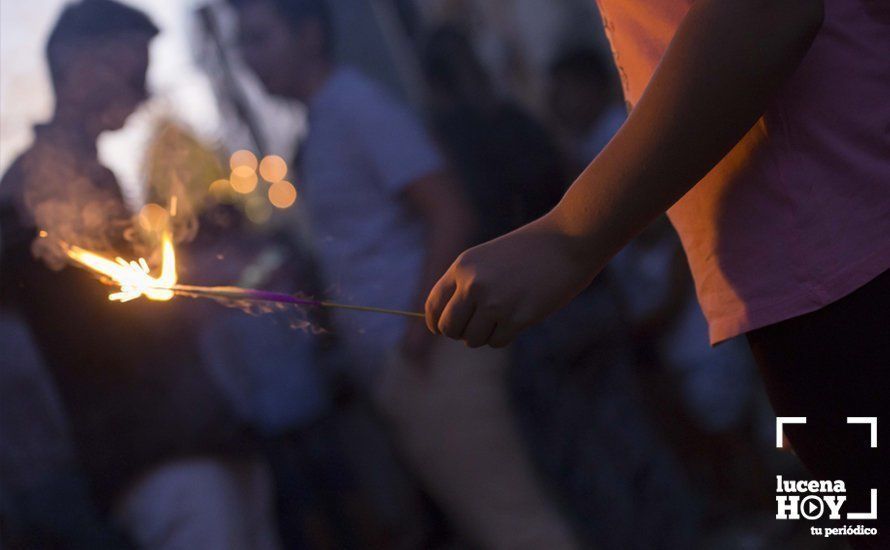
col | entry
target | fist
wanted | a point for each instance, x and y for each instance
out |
(495, 290)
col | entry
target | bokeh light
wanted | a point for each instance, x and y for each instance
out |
(273, 168)
(257, 210)
(282, 194)
(243, 180)
(153, 217)
(221, 190)
(243, 158)
(243, 172)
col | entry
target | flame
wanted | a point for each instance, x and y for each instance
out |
(134, 277)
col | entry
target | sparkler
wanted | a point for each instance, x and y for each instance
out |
(135, 280)
(238, 293)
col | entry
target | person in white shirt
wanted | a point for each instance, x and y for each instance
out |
(386, 219)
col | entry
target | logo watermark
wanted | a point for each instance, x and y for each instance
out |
(824, 499)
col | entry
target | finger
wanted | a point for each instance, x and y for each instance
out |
(502, 336)
(456, 315)
(437, 300)
(478, 330)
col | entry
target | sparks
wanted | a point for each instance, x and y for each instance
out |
(133, 277)
(135, 280)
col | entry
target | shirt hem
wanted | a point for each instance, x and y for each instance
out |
(806, 301)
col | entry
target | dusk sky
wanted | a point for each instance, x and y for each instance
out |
(178, 88)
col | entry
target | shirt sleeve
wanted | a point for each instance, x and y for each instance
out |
(394, 142)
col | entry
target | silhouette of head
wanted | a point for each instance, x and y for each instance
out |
(282, 40)
(98, 59)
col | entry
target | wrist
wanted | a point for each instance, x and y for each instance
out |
(580, 247)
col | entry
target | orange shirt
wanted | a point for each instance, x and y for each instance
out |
(797, 215)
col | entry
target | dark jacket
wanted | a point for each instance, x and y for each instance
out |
(129, 374)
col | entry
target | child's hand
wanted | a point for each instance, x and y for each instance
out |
(497, 289)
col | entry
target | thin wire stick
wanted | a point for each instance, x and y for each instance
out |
(237, 293)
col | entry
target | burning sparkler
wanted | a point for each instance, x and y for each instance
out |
(133, 277)
(135, 280)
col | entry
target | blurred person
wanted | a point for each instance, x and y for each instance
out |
(280, 371)
(652, 280)
(513, 171)
(385, 219)
(583, 100)
(761, 129)
(163, 454)
(707, 397)
(713, 388)
(44, 497)
(621, 482)
(264, 363)
(511, 168)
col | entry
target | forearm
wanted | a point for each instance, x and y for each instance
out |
(726, 61)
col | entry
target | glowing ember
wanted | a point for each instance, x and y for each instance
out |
(133, 277)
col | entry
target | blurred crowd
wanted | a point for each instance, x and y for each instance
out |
(197, 424)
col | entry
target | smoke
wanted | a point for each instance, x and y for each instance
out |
(74, 201)
(71, 206)
(297, 317)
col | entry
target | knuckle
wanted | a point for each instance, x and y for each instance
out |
(463, 261)
(465, 266)
(476, 288)
(447, 329)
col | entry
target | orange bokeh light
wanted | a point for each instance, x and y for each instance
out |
(282, 194)
(221, 190)
(243, 180)
(273, 168)
(243, 158)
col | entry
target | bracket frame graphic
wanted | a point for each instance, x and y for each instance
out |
(871, 421)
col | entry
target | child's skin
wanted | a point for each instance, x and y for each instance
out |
(723, 65)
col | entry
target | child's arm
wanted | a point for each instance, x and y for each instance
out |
(725, 62)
